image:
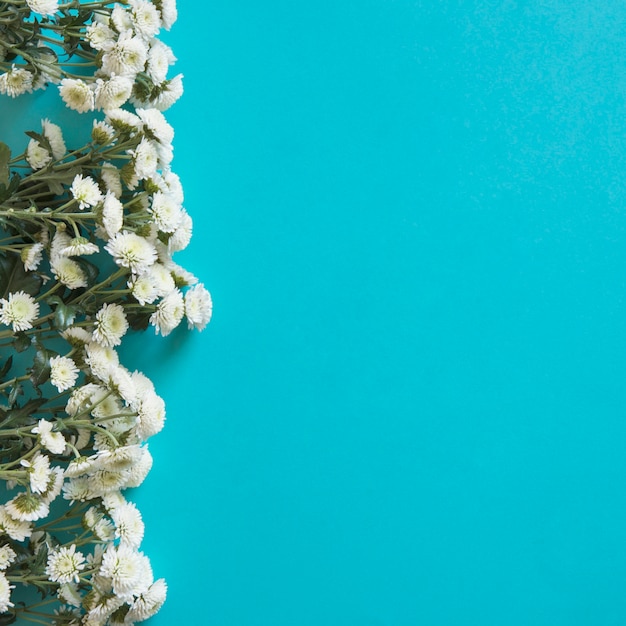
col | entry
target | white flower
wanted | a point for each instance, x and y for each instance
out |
(181, 276)
(77, 95)
(19, 311)
(174, 185)
(63, 372)
(101, 359)
(198, 307)
(60, 240)
(38, 472)
(145, 17)
(52, 441)
(85, 191)
(169, 92)
(31, 256)
(168, 11)
(126, 57)
(7, 556)
(54, 135)
(143, 288)
(150, 416)
(27, 507)
(65, 564)
(129, 527)
(160, 57)
(111, 177)
(165, 212)
(102, 481)
(99, 35)
(43, 7)
(16, 529)
(5, 593)
(80, 399)
(121, 20)
(77, 489)
(120, 381)
(156, 126)
(80, 466)
(79, 246)
(113, 93)
(68, 592)
(169, 313)
(102, 133)
(68, 272)
(54, 486)
(77, 336)
(148, 603)
(129, 573)
(162, 279)
(36, 155)
(132, 251)
(123, 120)
(110, 325)
(145, 159)
(16, 82)
(182, 235)
(140, 470)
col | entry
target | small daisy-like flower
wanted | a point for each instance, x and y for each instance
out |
(168, 11)
(5, 593)
(165, 212)
(99, 35)
(31, 256)
(143, 289)
(140, 470)
(169, 313)
(38, 472)
(77, 95)
(160, 57)
(146, 18)
(52, 441)
(27, 507)
(110, 176)
(100, 359)
(120, 381)
(111, 325)
(68, 272)
(19, 311)
(198, 307)
(145, 159)
(150, 416)
(85, 191)
(125, 57)
(79, 246)
(54, 486)
(148, 603)
(77, 336)
(162, 278)
(182, 235)
(65, 564)
(156, 126)
(120, 19)
(37, 156)
(54, 135)
(63, 372)
(113, 93)
(122, 120)
(16, 82)
(129, 527)
(132, 251)
(102, 133)
(16, 529)
(7, 556)
(43, 7)
(168, 93)
(127, 570)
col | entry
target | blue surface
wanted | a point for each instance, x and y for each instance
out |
(409, 407)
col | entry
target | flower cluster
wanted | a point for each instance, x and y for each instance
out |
(88, 236)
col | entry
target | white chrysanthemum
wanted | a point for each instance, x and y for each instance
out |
(100, 607)
(145, 159)
(37, 156)
(111, 177)
(106, 404)
(43, 7)
(54, 486)
(120, 19)
(156, 126)
(162, 279)
(181, 276)
(198, 307)
(79, 246)
(104, 481)
(99, 35)
(7, 556)
(31, 256)
(16, 82)
(78, 490)
(169, 92)
(168, 11)
(122, 120)
(19, 311)
(68, 272)
(182, 235)
(113, 93)
(143, 289)
(54, 135)
(140, 470)
(60, 240)
(38, 469)
(145, 17)
(150, 416)
(52, 441)
(169, 313)
(80, 466)
(5, 593)
(132, 251)
(80, 400)
(111, 325)
(100, 360)
(165, 212)
(65, 564)
(129, 527)
(27, 507)
(63, 372)
(77, 95)
(121, 382)
(77, 336)
(148, 603)
(102, 133)
(175, 187)
(127, 570)
(16, 529)
(160, 57)
(125, 57)
(85, 191)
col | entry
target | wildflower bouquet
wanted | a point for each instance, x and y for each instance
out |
(87, 236)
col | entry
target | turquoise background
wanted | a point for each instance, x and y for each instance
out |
(409, 406)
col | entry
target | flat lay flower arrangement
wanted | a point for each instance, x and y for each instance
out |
(87, 238)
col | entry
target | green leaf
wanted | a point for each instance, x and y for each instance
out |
(15, 393)
(23, 416)
(6, 367)
(21, 342)
(40, 372)
(64, 316)
(5, 157)
(91, 270)
(13, 277)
